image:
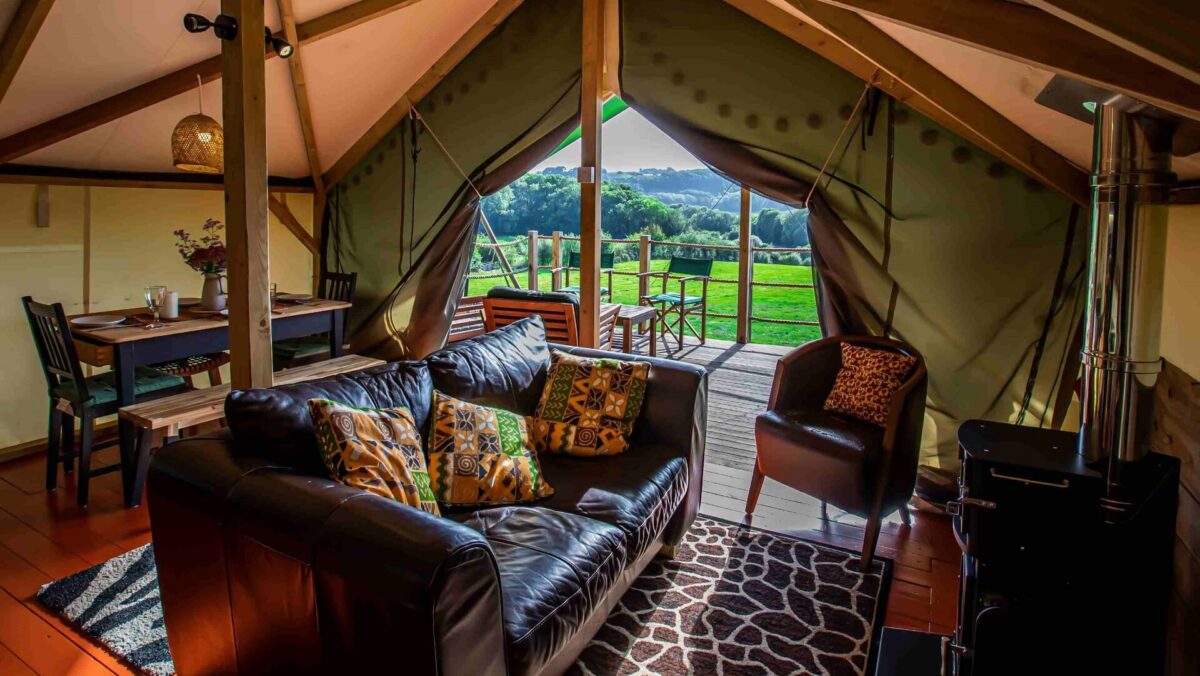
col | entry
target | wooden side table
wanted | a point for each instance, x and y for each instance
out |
(630, 315)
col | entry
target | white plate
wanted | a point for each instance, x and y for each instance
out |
(189, 302)
(294, 297)
(95, 321)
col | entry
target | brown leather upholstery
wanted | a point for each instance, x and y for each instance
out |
(854, 465)
(268, 566)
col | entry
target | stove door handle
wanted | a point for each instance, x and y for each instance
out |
(1065, 483)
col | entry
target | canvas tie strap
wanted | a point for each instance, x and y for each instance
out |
(838, 142)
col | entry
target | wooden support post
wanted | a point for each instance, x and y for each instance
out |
(643, 264)
(532, 255)
(556, 260)
(318, 219)
(745, 289)
(590, 119)
(243, 90)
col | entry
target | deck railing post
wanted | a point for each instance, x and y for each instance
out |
(533, 260)
(643, 263)
(745, 287)
(556, 259)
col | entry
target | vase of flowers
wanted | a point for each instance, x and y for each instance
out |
(206, 255)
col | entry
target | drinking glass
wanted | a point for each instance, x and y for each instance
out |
(155, 297)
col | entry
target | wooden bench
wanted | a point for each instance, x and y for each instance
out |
(169, 415)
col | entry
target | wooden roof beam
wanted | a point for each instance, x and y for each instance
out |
(17, 39)
(425, 84)
(289, 221)
(1159, 31)
(1000, 135)
(1033, 37)
(300, 89)
(183, 80)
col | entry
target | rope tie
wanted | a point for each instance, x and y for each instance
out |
(853, 114)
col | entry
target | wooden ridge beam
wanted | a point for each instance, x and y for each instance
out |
(288, 219)
(183, 80)
(1034, 37)
(1001, 136)
(430, 79)
(19, 37)
(1160, 31)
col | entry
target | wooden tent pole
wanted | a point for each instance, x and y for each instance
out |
(491, 235)
(243, 90)
(590, 118)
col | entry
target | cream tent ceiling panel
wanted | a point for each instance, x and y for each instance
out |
(356, 75)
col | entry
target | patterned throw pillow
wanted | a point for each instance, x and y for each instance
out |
(377, 450)
(588, 405)
(867, 382)
(481, 456)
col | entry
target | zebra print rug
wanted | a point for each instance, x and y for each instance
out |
(735, 600)
(117, 604)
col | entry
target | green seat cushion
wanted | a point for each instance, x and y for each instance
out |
(576, 289)
(305, 346)
(673, 299)
(103, 388)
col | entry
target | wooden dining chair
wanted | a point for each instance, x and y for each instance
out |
(73, 395)
(575, 262)
(308, 349)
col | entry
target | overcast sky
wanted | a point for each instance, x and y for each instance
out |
(630, 143)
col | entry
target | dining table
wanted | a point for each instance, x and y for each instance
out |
(195, 332)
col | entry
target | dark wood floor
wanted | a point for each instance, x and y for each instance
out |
(43, 536)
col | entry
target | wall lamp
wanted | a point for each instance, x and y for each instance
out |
(226, 28)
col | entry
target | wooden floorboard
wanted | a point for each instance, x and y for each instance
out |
(44, 536)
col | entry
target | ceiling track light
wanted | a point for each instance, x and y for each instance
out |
(282, 48)
(225, 26)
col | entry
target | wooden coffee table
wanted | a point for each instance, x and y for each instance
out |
(636, 314)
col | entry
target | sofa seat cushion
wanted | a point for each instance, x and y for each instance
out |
(555, 568)
(637, 491)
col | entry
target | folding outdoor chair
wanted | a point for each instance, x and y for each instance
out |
(575, 262)
(675, 308)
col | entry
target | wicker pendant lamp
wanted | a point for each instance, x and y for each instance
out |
(198, 142)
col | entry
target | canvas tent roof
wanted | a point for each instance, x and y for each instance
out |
(89, 50)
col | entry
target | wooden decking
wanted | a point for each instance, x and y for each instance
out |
(44, 536)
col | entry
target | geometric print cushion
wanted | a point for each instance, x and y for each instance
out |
(377, 450)
(867, 382)
(588, 405)
(481, 456)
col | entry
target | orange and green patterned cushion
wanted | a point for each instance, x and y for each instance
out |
(867, 381)
(481, 456)
(588, 405)
(375, 449)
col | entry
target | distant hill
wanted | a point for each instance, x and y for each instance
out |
(689, 187)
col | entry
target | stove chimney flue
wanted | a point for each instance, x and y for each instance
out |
(1131, 182)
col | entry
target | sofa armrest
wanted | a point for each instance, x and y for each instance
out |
(236, 534)
(675, 415)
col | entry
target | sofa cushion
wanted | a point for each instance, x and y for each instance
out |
(275, 423)
(555, 568)
(481, 456)
(588, 405)
(375, 449)
(867, 382)
(505, 368)
(637, 491)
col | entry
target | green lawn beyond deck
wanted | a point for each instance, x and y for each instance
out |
(772, 302)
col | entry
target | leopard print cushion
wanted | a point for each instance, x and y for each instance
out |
(867, 382)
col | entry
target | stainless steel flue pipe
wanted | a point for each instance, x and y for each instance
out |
(1121, 360)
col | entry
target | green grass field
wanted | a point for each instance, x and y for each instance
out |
(770, 302)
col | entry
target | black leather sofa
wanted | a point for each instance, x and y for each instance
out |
(268, 566)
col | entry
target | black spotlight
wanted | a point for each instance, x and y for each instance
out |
(282, 48)
(224, 25)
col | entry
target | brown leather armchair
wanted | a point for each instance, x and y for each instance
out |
(857, 466)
